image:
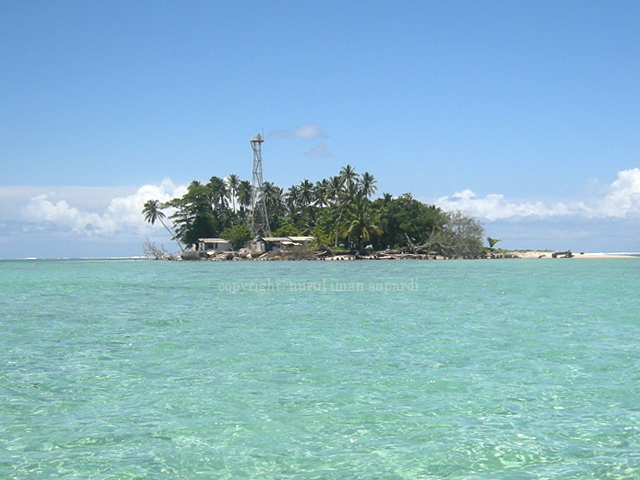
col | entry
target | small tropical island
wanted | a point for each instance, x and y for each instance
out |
(334, 218)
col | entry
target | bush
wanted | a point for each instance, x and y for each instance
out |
(287, 230)
(238, 236)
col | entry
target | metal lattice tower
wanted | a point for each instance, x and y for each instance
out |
(259, 219)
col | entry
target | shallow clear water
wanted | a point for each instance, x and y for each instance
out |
(509, 369)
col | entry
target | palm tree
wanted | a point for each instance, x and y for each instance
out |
(492, 242)
(272, 195)
(321, 192)
(349, 175)
(233, 181)
(346, 194)
(291, 199)
(368, 184)
(336, 185)
(362, 223)
(218, 193)
(245, 192)
(152, 212)
(306, 192)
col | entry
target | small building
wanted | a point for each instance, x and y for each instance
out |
(213, 245)
(304, 241)
(270, 244)
(277, 243)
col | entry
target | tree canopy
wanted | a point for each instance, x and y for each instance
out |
(338, 211)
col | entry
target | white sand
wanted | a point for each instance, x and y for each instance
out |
(541, 254)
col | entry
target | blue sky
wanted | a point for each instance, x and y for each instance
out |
(525, 114)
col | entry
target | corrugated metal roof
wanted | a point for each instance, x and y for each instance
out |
(213, 240)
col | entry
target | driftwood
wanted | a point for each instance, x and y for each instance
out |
(425, 248)
(412, 248)
(150, 249)
(325, 251)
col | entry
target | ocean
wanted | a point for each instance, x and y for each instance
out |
(488, 369)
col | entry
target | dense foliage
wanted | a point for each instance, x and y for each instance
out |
(237, 235)
(338, 211)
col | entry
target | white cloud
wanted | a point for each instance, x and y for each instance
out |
(13, 199)
(622, 200)
(306, 131)
(496, 206)
(319, 151)
(122, 214)
(40, 209)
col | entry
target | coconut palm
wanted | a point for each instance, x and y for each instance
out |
(273, 197)
(152, 212)
(362, 223)
(291, 199)
(336, 184)
(306, 192)
(346, 199)
(349, 175)
(492, 242)
(368, 184)
(245, 191)
(345, 189)
(233, 181)
(218, 193)
(321, 193)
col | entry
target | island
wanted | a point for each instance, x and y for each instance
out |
(335, 218)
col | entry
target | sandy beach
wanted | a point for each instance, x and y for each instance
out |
(605, 255)
(547, 254)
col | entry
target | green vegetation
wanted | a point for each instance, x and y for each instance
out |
(287, 230)
(338, 211)
(152, 212)
(492, 242)
(238, 236)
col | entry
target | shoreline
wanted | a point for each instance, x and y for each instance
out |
(607, 255)
(600, 255)
(227, 256)
(307, 255)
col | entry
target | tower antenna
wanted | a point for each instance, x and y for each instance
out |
(259, 218)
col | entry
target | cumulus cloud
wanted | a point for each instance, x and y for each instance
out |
(306, 131)
(41, 209)
(14, 198)
(319, 151)
(622, 200)
(496, 206)
(122, 214)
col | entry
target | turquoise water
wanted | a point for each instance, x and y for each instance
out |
(514, 369)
